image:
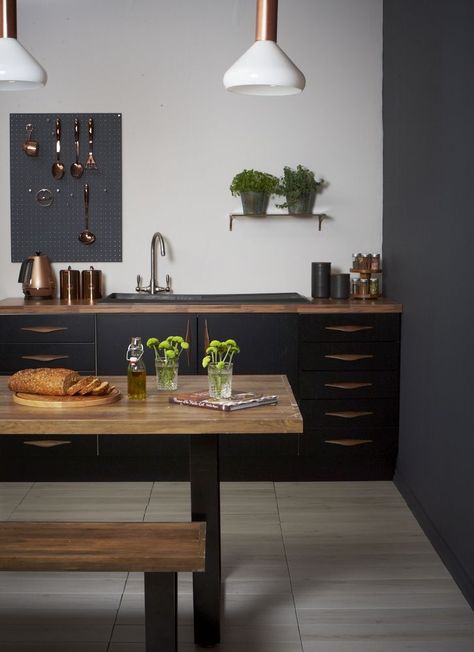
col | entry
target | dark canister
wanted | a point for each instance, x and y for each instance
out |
(91, 284)
(69, 284)
(320, 280)
(340, 286)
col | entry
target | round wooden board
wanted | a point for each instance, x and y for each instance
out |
(42, 401)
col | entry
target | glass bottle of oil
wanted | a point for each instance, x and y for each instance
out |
(136, 373)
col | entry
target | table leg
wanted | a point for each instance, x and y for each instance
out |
(205, 506)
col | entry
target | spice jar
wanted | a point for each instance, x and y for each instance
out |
(363, 287)
(374, 287)
(375, 262)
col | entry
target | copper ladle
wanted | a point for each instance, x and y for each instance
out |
(86, 236)
(58, 167)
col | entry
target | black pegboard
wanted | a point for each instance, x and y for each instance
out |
(54, 229)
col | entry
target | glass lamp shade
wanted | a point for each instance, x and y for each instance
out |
(19, 71)
(264, 69)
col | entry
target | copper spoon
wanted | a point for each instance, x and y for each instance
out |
(86, 236)
(77, 168)
(58, 167)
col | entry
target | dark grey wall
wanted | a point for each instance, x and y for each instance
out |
(428, 252)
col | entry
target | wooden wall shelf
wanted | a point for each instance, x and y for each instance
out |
(320, 217)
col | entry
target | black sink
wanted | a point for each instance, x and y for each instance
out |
(167, 297)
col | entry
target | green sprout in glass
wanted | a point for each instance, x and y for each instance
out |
(220, 354)
(168, 350)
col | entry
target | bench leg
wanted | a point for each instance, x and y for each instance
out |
(161, 627)
(205, 506)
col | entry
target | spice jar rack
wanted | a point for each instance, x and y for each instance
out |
(367, 286)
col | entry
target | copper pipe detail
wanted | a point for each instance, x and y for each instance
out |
(8, 19)
(267, 19)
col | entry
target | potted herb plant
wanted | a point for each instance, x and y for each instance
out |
(299, 187)
(254, 188)
(167, 353)
(218, 361)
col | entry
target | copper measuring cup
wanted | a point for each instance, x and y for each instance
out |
(30, 147)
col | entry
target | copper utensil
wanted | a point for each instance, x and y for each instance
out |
(77, 168)
(86, 236)
(30, 147)
(58, 167)
(90, 162)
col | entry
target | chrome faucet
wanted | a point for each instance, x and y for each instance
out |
(153, 288)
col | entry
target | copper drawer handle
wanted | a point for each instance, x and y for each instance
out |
(44, 358)
(350, 328)
(44, 329)
(349, 357)
(348, 442)
(348, 385)
(46, 443)
(348, 414)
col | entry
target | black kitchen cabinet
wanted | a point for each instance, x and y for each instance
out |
(348, 394)
(28, 341)
(268, 345)
(343, 368)
(115, 330)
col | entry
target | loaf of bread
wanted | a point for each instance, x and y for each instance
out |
(43, 380)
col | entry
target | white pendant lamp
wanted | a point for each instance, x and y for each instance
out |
(265, 69)
(19, 71)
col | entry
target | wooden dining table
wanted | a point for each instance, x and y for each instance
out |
(156, 416)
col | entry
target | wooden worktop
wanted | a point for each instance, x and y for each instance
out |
(50, 306)
(156, 415)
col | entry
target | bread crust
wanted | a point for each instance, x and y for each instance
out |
(43, 380)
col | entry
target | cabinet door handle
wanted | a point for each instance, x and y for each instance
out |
(349, 357)
(349, 328)
(44, 329)
(47, 443)
(349, 414)
(44, 358)
(348, 442)
(344, 385)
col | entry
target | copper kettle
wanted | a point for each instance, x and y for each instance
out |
(37, 278)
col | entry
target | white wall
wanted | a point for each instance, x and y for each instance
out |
(160, 64)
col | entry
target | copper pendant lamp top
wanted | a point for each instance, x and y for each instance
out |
(267, 20)
(8, 19)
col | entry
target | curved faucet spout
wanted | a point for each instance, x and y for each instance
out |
(154, 286)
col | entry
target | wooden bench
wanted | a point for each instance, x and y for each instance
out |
(159, 550)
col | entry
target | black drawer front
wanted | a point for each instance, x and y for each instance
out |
(47, 328)
(349, 356)
(143, 445)
(48, 446)
(368, 454)
(357, 327)
(350, 415)
(80, 357)
(348, 384)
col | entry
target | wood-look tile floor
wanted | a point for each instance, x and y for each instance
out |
(307, 567)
